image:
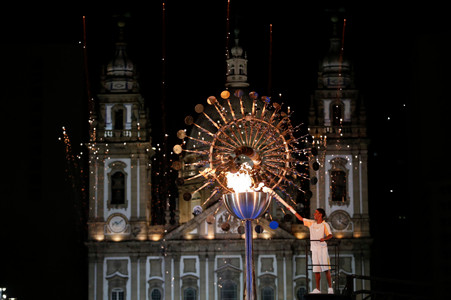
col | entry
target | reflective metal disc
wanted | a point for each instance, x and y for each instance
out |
(189, 120)
(181, 134)
(225, 226)
(210, 219)
(176, 165)
(258, 229)
(225, 94)
(187, 196)
(177, 149)
(211, 100)
(199, 108)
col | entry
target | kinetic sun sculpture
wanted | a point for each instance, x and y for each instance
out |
(246, 154)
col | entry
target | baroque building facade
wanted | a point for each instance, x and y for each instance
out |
(200, 254)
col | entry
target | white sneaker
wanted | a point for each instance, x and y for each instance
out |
(316, 291)
(330, 290)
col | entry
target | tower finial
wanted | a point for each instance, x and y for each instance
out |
(121, 26)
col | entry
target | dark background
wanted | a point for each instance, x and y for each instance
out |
(401, 59)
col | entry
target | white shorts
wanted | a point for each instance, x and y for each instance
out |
(320, 256)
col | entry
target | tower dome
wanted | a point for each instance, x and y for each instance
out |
(335, 67)
(237, 50)
(120, 73)
(333, 62)
(121, 64)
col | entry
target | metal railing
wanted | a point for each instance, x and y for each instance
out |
(400, 292)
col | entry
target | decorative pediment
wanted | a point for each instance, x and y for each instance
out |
(117, 267)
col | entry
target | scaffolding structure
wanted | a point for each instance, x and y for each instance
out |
(335, 243)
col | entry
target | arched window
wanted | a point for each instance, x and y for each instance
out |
(118, 188)
(232, 70)
(267, 293)
(189, 294)
(229, 291)
(241, 70)
(117, 294)
(300, 293)
(155, 294)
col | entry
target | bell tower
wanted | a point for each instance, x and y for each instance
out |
(120, 154)
(236, 66)
(339, 171)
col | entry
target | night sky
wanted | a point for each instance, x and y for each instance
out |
(401, 62)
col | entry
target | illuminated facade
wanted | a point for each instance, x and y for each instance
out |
(200, 255)
(337, 121)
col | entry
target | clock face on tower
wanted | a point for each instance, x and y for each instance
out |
(339, 219)
(117, 223)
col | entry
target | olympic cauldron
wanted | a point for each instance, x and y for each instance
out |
(238, 130)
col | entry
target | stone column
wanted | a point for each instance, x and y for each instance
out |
(167, 277)
(134, 189)
(211, 277)
(279, 279)
(203, 277)
(91, 275)
(100, 188)
(99, 277)
(142, 284)
(134, 276)
(357, 184)
(287, 260)
(365, 214)
(176, 276)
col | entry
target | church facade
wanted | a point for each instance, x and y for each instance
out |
(200, 255)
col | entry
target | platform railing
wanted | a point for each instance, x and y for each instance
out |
(401, 292)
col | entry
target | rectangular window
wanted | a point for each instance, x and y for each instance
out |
(118, 188)
(229, 291)
(189, 294)
(119, 119)
(268, 293)
(117, 294)
(338, 187)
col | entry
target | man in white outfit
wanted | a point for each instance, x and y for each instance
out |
(319, 233)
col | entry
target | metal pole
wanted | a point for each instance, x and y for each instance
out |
(250, 284)
(307, 284)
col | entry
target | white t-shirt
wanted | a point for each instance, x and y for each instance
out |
(317, 232)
